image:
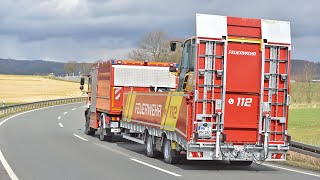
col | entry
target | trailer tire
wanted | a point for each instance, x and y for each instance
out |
(170, 155)
(103, 134)
(150, 147)
(88, 130)
(241, 163)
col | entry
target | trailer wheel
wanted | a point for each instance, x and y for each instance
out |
(170, 155)
(88, 130)
(241, 163)
(103, 135)
(150, 147)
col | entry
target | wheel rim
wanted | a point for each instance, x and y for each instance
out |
(87, 124)
(166, 149)
(149, 144)
(101, 130)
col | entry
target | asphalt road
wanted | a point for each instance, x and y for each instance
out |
(50, 144)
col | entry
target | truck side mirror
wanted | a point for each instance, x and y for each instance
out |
(173, 46)
(82, 81)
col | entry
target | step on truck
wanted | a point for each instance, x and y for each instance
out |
(228, 101)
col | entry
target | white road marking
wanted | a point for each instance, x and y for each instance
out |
(73, 109)
(80, 137)
(3, 160)
(6, 166)
(293, 170)
(61, 125)
(155, 167)
(65, 112)
(84, 106)
(59, 117)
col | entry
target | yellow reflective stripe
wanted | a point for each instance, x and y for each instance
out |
(173, 111)
(127, 105)
(244, 40)
(131, 107)
(112, 96)
(116, 109)
(165, 111)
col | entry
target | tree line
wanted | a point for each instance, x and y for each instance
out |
(154, 46)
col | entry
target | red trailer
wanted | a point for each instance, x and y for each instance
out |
(232, 98)
(236, 106)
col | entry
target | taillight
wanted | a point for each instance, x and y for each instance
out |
(277, 156)
(196, 154)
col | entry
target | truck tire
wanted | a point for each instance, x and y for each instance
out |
(170, 155)
(241, 163)
(150, 147)
(103, 134)
(88, 130)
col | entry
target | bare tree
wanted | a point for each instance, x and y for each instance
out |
(70, 67)
(85, 68)
(155, 46)
(309, 72)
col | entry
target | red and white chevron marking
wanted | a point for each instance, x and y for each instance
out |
(117, 93)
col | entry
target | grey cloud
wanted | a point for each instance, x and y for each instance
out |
(90, 28)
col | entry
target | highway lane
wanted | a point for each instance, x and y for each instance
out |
(50, 144)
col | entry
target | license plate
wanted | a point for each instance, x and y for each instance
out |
(204, 131)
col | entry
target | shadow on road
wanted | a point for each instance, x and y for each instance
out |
(196, 165)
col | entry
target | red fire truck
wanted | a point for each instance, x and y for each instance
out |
(229, 100)
(109, 81)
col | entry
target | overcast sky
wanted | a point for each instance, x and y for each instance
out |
(87, 30)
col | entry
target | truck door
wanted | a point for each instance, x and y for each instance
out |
(242, 92)
(187, 62)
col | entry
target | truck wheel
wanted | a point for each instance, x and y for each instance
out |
(88, 130)
(103, 135)
(241, 163)
(170, 155)
(150, 147)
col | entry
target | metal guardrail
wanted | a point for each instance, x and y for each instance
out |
(306, 149)
(8, 110)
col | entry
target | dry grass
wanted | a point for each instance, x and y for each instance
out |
(300, 92)
(22, 89)
(301, 160)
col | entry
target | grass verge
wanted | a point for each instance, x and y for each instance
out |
(302, 161)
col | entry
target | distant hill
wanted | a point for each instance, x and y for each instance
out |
(41, 67)
(34, 67)
(30, 67)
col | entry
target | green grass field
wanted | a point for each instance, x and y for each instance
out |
(304, 125)
(304, 114)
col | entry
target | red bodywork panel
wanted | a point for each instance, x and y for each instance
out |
(166, 111)
(110, 97)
